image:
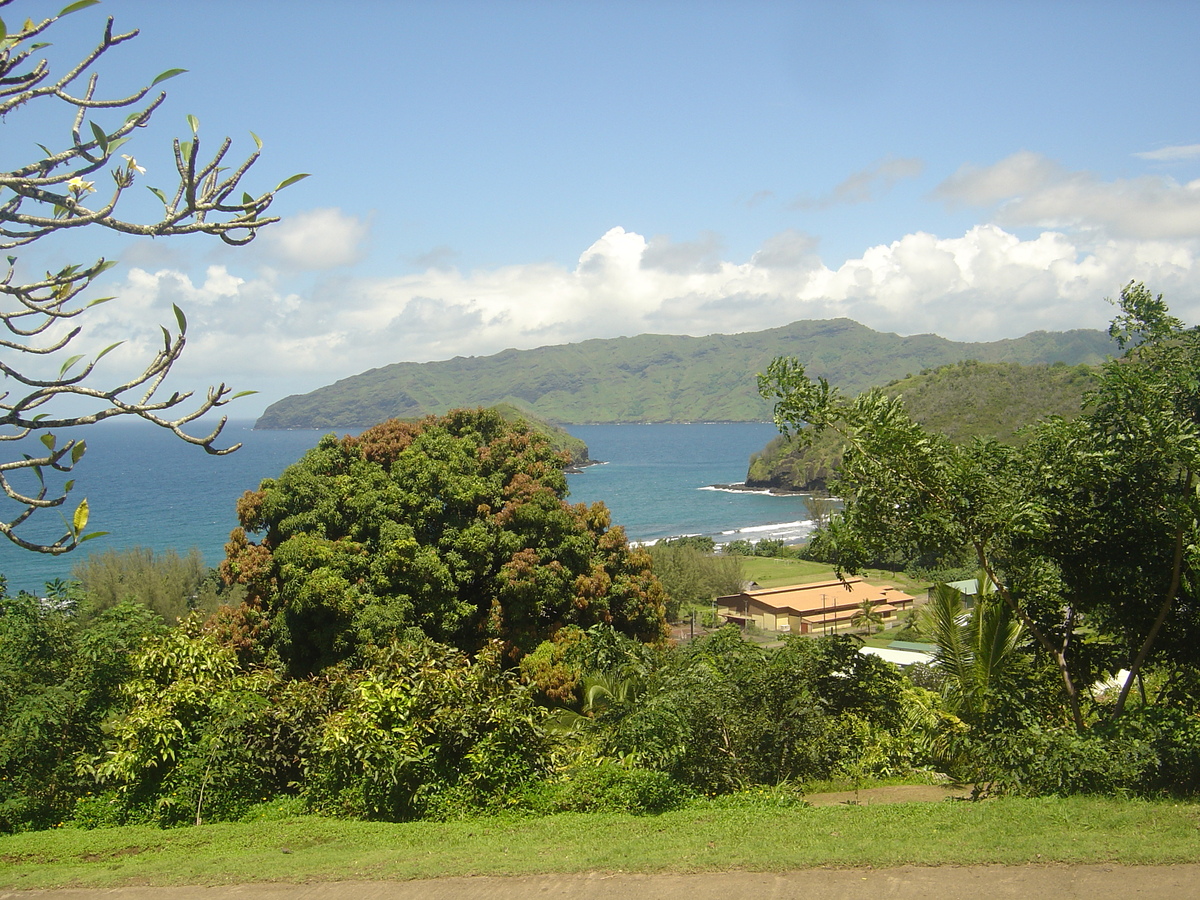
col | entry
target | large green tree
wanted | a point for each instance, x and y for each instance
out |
(454, 525)
(1088, 530)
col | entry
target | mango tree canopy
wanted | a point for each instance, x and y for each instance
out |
(454, 525)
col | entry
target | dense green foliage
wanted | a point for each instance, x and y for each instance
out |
(722, 714)
(429, 630)
(963, 401)
(58, 680)
(455, 526)
(656, 378)
(1088, 531)
(560, 439)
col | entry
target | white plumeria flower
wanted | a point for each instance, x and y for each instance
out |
(78, 186)
(133, 166)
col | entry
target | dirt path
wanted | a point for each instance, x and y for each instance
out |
(907, 883)
(900, 793)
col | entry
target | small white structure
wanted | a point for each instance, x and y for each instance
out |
(898, 657)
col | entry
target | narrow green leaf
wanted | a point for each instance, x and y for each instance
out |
(70, 362)
(41, 45)
(103, 266)
(79, 521)
(247, 200)
(76, 6)
(170, 73)
(49, 440)
(257, 140)
(69, 486)
(290, 181)
(94, 534)
(12, 260)
(180, 318)
(185, 149)
(242, 394)
(113, 145)
(45, 149)
(77, 452)
(193, 123)
(100, 136)
(109, 348)
(98, 301)
(157, 193)
(3, 30)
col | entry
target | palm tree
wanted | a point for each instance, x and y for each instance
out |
(867, 616)
(976, 649)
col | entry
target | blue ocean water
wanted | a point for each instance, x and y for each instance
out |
(657, 480)
(147, 488)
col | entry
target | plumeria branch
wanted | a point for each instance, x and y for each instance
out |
(42, 318)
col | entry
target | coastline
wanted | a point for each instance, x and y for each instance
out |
(742, 487)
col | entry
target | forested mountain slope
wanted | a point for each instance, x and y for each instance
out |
(962, 401)
(656, 378)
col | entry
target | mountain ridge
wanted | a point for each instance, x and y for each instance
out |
(657, 378)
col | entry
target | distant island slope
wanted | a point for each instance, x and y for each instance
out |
(657, 378)
(963, 401)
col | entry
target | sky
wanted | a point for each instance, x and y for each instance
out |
(491, 175)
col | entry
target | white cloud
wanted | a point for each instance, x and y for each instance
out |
(315, 239)
(985, 284)
(685, 257)
(864, 186)
(1171, 154)
(1014, 176)
(1034, 192)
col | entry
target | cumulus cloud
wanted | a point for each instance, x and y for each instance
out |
(685, 257)
(864, 186)
(985, 284)
(1030, 191)
(315, 239)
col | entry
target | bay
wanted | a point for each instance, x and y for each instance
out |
(149, 489)
(658, 481)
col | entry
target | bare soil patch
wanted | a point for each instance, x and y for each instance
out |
(900, 793)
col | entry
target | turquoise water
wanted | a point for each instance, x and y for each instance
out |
(147, 488)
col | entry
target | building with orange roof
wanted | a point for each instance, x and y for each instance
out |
(821, 607)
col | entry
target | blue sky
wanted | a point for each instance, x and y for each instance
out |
(492, 175)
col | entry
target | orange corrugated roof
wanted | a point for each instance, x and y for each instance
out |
(806, 599)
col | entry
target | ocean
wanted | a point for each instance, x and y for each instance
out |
(146, 488)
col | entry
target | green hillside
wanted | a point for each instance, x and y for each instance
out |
(656, 378)
(962, 401)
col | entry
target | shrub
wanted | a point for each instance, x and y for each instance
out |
(609, 787)
(1063, 762)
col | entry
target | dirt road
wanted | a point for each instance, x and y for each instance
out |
(908, 883)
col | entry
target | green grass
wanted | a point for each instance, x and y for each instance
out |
(740, 833)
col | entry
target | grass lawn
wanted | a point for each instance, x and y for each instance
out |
(746, 833)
